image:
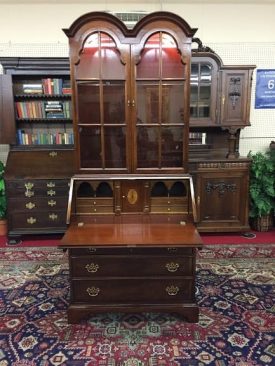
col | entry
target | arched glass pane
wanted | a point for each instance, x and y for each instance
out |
(160, 58)
(100, 58)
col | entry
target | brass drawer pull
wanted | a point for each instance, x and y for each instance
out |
(29, 185)
(53, 154)
(29, 193)
(30, 205)
(172, 290)
(50, 184)
(51, 193)
(51, 203)
(31, 220)
(172, 267)
(92, 267)
(92, 250)
(53, 217)
(93, 291)
(172, 250)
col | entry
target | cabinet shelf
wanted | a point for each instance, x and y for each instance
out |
(39, 120)
(42, 96)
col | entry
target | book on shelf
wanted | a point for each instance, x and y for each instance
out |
(32, 88)
(40, 109)
(197, 138)
(44, 138)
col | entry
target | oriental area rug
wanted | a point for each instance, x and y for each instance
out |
(235, 290)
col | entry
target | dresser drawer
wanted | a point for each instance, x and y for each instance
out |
(38, 220)
(130, 266)
(170, 251)
(32, 188)
(136, 291)
(34, 204)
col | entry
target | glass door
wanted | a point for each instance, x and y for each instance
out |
(161, 116)
(100, 87)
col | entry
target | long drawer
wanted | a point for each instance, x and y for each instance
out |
(133, 250)
(129, 266)
(34, 204)
(32, 188)
(50, 219)
(142, 290)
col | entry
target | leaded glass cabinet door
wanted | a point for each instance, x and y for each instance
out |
(162, 104)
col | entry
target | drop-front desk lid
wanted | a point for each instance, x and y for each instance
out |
(131, 230)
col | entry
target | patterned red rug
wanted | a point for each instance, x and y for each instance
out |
(235, 291)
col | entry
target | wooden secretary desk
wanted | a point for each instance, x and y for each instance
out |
(131, 235)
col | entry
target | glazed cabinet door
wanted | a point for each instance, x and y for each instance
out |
(101, 89)
(203, 91)
(161, 103)
(222, 198)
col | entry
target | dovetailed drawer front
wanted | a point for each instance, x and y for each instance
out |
(130, 266)
(132, 290)
(170, 251)
(33, 204)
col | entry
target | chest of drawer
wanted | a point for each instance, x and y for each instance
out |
(136, 291)
(130, 266)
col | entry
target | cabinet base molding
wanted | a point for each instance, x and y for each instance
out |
(186, 312)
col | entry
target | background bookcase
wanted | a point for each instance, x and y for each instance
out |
(36, 120)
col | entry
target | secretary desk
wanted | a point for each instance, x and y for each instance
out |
(131, 234)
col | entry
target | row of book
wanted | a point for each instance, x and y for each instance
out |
(49, 86)
(43, 138)
(197, 138)
(40, 109)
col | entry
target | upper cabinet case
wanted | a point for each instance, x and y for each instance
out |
(131, 93)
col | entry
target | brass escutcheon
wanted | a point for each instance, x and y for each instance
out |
(53, 216)
(50, 184)
(172, 250)
(172, 267)
(31, 220)
(51, 193)
(30, 205)
(172, 290)
(93, 291)
(52, 203)
(29, 185)
(92, 267)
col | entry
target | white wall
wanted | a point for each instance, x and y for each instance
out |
(239, 31)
